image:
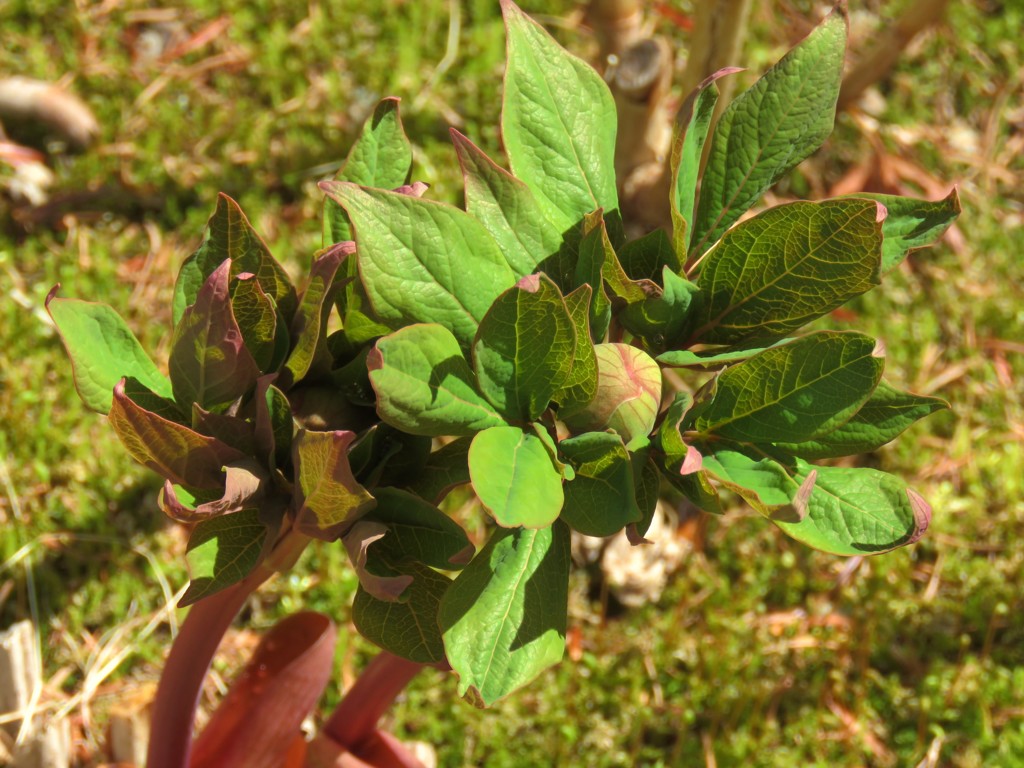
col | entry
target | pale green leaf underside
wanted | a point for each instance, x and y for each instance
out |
(221, 552)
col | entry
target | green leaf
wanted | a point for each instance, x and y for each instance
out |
(681, 463)
(787, 266)
(209, 363)
(230, 236)
(662, 318)
(558, 124)
(857, 511)
(601, 500)
(912, 224)
(424, 385)
(645, 257)
(580, 385)
(381, 157)
(274, 425)
(329, 498)
(794, 392)
(178, 453)
(716, 357)
(523, 351)
(668, 439)
(597, 256)
(423, 261)
(389, 456)
(769, 128)
(310, 323)
(886, 414)
(503, 619)
(409, 628)
(514, 477)
(446, 468)
(222, 551)
(589, 273)
(647, 491)
(510, 212)
(103, 350)
(691, 131)
(256, 316)
(420, 531)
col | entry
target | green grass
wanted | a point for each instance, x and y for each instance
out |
(760, 652)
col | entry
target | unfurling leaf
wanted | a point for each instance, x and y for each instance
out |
(329, 499)
(222, 551)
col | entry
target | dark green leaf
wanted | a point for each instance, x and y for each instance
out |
(558, 124)
(409, 628)
(662, 318)
(328, 497)
(771, 127)
(795, 392)
(912, 224)
(423, 261)
(381, 157)
(886, 414)
(781, 269)
(503, 619)
(446, 468)
(209, 363)
(102, 350)
(515, 478)
(424, 385)
(230, 236)
(601, 500)
(273, 426)
(580, 385)
(222, 551)
(420, 531)
(523, 351)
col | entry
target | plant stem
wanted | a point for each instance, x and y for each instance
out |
(355, 719)
(181, 682)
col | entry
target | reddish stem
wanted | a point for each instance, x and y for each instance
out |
(181, 683)
(354, 722)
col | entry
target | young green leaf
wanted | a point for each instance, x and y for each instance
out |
(771, 127)
(646, 257)
(103, 350)
(912, 224)
(423, 261)
(328, 497)
(256, 316)
(409, 628)
(601, 499)
(523, 350)
(510, 212)
(209, 363)
(176, 452)
(857, 511)
(759, 480)
(310, 323)
(886, 414)
(503, 619)
(795, 392)
(222, 551)
(781, 269)
(273, 426)
(381, 157)
(715, 357)
(375, 573)
(691, 131)
(661, 319)
(514, 477)
(558, 123)
(580, 385)
(231, 236)
(424, 385)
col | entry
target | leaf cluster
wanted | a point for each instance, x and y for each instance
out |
(519, 345)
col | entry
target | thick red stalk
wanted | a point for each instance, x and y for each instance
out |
(181, 682)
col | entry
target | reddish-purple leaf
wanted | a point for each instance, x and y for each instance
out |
(178, 453)
(331, 499)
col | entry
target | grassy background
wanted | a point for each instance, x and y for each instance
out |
(760, 652)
